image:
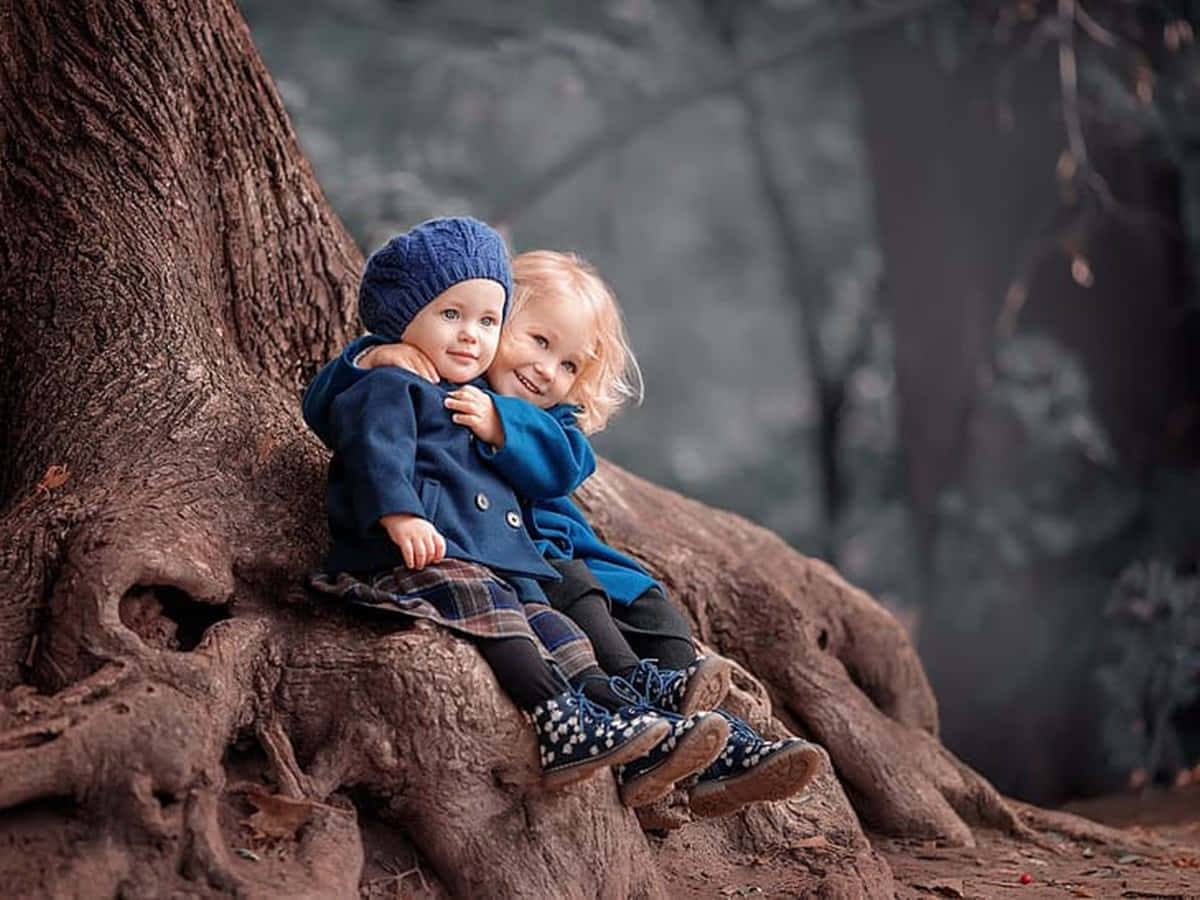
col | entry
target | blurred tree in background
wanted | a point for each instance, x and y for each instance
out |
(911, 283)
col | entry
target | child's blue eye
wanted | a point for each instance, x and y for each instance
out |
(570, 367)
(488, 321)
(450, 314)
(541, 341)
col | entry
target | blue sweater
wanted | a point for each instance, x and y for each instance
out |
(544, 458)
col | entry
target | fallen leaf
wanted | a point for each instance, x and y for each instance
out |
(1127, 859)
(244, 853)
(278, 816)
(55, 477)
(1081, 892)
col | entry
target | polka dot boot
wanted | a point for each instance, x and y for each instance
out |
(750, 770)
(577, 737)
(701, 686)
(691, 744)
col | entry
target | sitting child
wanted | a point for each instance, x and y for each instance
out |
(563, 351)
(420, 524)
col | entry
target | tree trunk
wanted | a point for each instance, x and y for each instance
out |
(171, 271)
(966, 191)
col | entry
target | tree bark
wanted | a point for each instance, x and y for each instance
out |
(171, 273)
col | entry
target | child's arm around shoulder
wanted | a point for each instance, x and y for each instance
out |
(335, 376)
(351, 365)
(544, 453)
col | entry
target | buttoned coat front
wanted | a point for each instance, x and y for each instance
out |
(396, 450)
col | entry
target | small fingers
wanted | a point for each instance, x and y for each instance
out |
(463, 403)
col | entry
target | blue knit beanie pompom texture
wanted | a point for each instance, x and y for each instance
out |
(411, 269)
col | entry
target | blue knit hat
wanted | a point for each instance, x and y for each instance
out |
(407, 272)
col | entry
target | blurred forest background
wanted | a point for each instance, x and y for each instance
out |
(911, 283)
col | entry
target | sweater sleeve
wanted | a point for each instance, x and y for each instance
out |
(335, 376)
(373, 429)
(544, 454)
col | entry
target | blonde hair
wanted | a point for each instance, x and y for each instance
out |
(610, 376)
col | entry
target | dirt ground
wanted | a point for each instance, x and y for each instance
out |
(1151, 848)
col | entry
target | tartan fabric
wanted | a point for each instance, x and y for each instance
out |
(466, 598)
(563, 638)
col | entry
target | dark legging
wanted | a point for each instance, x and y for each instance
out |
(521, 670)
(649, 628)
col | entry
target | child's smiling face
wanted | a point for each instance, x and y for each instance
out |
(458, 330)
(542, 349)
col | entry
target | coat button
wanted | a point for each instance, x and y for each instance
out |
(512, 518)
(482, 501)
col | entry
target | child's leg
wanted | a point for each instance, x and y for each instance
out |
(573, 651)
(521, 670)
(582, 598)
(662, 633)
(655, 629)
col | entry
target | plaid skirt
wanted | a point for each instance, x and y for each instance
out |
(469, 599)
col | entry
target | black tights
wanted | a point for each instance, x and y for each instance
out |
(648, 628)
(525, 676)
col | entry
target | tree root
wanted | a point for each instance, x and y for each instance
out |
(836, 664)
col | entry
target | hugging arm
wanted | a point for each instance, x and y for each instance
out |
(544, 454)
(335, 376)
(343, 371)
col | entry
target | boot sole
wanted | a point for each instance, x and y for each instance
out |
(693, 753)
(638, 745)
(786, 773)
(708, 687)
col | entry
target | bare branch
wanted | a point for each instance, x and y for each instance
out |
(1094, 29)
(1069, 81)
(655, 112)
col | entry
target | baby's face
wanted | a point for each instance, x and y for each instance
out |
(459, 329)
(542, 349)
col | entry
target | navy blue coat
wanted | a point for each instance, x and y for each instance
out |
(545, 457)
(395, 450)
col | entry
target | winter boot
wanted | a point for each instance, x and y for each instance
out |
(701, 686)
(577, 738)
(750, 770)
(691, 744)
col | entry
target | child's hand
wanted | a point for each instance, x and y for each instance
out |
(404, 356)
(419, 542)
(476, 410)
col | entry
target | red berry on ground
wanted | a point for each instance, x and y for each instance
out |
(1026, 878)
